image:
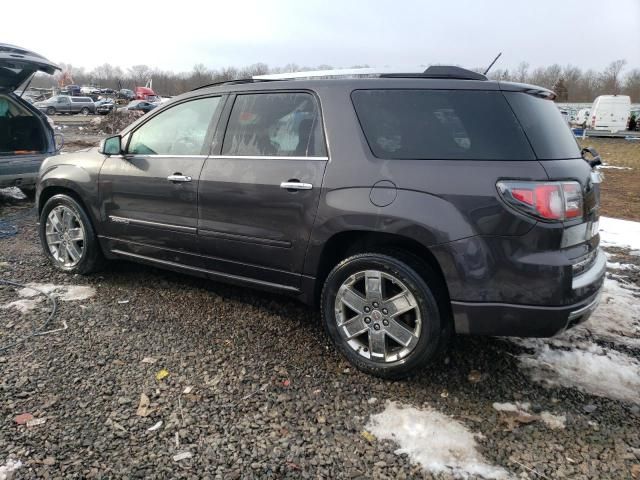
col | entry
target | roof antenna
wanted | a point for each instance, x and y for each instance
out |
(492, 63)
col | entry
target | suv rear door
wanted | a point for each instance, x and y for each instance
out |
(258, 193)
(148, 195)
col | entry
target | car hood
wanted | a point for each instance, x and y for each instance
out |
(18, 64)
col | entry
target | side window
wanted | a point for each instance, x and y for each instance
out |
(440, 125)
(275, 124)
(180, 130)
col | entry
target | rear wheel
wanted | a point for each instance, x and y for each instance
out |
(382, 314)
(51, 111)
(84, 111)
(67, 236)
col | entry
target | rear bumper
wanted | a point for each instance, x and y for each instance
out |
(514, 320)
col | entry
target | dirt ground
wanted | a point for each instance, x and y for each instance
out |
(621, 186)
(253, 389)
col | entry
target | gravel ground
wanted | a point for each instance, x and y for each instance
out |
(254, 389)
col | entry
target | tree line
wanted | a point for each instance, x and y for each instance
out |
(571, 83)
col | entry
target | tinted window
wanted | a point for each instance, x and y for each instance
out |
(547, 131)
(275, 124)
(440, 124)
(180, 130)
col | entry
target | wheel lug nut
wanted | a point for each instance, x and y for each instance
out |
(375, 304)
(385, 311)
(367, 320)
(367, 309)
(385, 323)
(376, 326)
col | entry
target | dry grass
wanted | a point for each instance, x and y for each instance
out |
(615, 151)
(621, 188)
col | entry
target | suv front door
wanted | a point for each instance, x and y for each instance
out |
(148, 195)
(259, 192)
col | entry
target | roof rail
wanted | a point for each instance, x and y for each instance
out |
(339, 72)
(434, 71)
(230, 82)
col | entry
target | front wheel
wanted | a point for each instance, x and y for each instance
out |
(67, 236)
(51, 111)
(383, 315)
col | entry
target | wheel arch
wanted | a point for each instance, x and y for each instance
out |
(347, 243)
(49, 191)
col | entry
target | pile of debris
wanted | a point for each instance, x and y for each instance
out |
(115, 121)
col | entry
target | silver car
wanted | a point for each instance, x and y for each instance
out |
(67, 104)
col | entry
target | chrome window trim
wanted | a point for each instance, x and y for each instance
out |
(267, 157)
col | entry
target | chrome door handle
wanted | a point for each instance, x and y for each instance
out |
(178, 178)
(296, 186)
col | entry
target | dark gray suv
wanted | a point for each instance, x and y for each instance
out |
(407, 206)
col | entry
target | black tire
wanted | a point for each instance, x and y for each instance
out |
(91, 259)
(85, 111)
(425, 287)
(51, 111)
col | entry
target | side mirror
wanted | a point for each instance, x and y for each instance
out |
(111, 146)
(595, 157)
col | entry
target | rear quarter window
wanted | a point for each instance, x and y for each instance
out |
(548, 133)
(440, 125)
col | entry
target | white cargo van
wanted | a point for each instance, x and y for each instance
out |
(610, 112)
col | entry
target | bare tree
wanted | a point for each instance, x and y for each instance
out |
(632, 85)
(522, 73)
(139, 74)
(611, 76)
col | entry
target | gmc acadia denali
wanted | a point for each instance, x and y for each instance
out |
(406, 206)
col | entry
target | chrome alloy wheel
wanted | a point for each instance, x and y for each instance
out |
(378, 316)
(65, 236)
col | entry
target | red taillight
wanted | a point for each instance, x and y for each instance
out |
(547, 200)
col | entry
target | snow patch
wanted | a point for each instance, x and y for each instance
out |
(31, 298)
(620, 233)
(435, 441)
(12, 192)
(613, 167)
(593, 370)
(617, 318)
(7, 470)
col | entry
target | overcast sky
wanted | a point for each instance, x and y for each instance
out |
(177, 34)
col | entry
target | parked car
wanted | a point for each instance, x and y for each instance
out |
(89, 90)
(26, 136)
(126, 94)
(66, 104)
(141, 105)
(582, 117)
(71, 90)
(610, 112)
(104, 106)
(390, 202)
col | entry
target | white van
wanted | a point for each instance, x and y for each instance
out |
(610, 112)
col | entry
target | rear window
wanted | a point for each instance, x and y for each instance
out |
(81, 99)
(440, 125)
(549, 133)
